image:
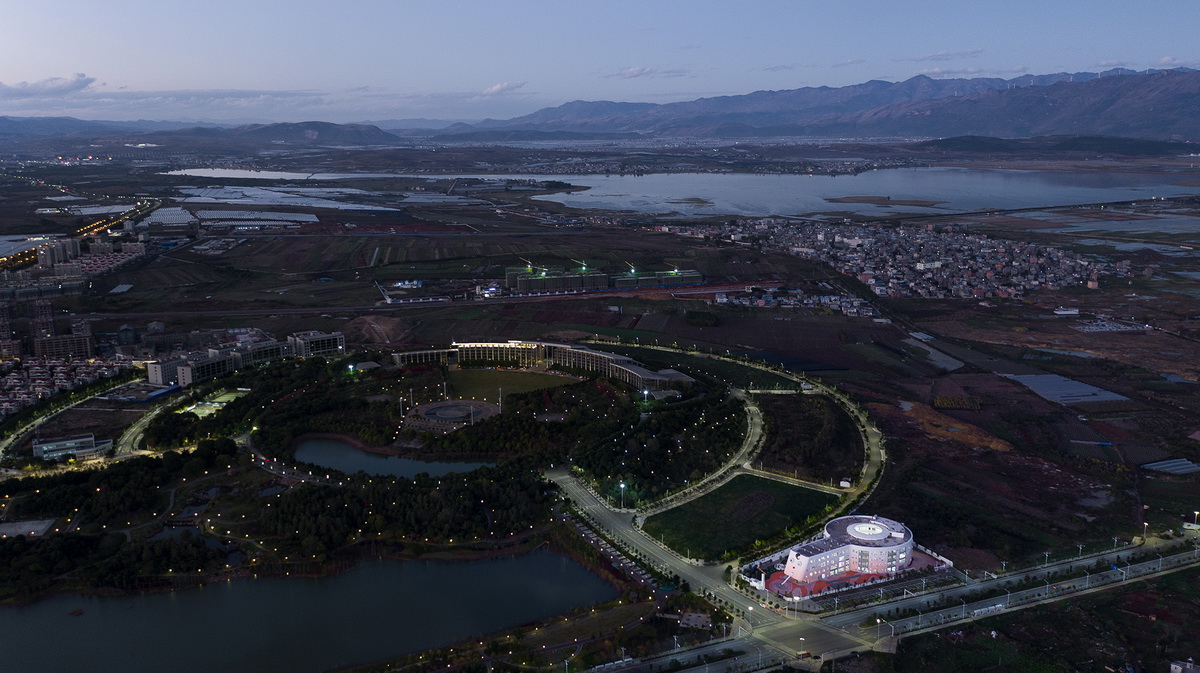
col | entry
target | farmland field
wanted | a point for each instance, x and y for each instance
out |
(744, 510)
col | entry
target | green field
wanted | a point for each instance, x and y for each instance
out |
(735, 515)
(485, 384)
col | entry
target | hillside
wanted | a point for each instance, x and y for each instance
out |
(1154, 105)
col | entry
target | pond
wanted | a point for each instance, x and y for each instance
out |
(339, 455)
(379, 610)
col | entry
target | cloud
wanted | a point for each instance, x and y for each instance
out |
(1112, 64)
(944, 56)
(779, 68)
(971, 72)
(842, 64)
(503, 87)
(677, 72)
(1172, 62)
(632, 72)
(51, 87)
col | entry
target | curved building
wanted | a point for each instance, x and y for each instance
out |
(541, 354)
(855, 544)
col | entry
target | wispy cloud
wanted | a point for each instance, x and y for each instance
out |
(502, 87)
(632, 72)
(971, 72)
(779, 68)
(51, 87)
(1172, 62)
(940, 56)
(1112, 64)
(843, 64)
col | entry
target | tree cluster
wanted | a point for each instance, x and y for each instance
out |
(675, 445)
(811, 436)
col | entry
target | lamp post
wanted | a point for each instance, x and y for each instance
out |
(1194, 515)
(964, 612)
(1145, 531)
(1047, 555)
(622, 495)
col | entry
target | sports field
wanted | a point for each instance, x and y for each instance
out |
(485, 384)
(735, 515)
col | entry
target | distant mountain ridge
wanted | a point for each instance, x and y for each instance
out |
(1152, 104)
(1159, 104)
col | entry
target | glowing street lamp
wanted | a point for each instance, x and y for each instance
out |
(622, 495)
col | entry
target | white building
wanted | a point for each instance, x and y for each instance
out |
(858, 543)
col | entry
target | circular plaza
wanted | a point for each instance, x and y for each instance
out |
(449, 415)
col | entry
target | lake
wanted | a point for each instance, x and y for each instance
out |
(379, 610)
(751, 195)
(961, 190)
(339, 455)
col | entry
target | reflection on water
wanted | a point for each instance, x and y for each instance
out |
(960, 189)
(343, 457)
(379, 610)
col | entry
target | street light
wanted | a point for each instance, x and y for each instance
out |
(622, 495)
(1194, 515)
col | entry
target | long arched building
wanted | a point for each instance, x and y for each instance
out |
(541, 355)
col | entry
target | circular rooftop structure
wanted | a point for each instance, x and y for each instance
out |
(455, 412)
(868, 531)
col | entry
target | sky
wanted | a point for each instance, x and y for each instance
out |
(355, 60)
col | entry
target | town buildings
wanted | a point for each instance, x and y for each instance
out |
(252, 350)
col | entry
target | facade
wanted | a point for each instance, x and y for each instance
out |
(63, 346)
(201, 366)
(542, 355)
(857, 544)
(308, 344)
(163, 372)
(81, 447)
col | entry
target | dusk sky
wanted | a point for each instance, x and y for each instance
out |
(270, 60)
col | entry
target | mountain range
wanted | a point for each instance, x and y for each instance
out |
(1158, 105)
(1153, 104)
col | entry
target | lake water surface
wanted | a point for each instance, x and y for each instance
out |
(339, 455)
(379, 610)
(708, 194)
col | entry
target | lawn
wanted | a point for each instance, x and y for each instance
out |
(735, 515)
(485, 384)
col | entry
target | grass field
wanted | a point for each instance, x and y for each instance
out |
(740, 512)
(485, 384)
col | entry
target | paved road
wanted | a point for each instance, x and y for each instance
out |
(781, 634)
(20, 435)
(751, 444)
(943, 601)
